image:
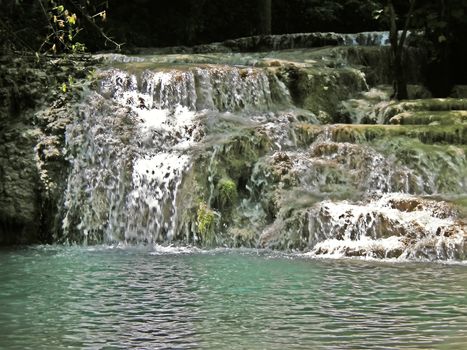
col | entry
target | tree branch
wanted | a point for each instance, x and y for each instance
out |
(95, 26)
(44, 11)
(393, 33)
(407, 23)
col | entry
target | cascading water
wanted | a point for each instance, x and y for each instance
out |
(179, 148)
(134, 140)
(378, 228)
(348, 199)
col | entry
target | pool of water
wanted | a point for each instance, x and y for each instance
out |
(150, 298)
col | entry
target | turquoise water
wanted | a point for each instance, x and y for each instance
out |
(103, 298)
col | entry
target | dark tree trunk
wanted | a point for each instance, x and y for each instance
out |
(397, 51)
(440, 74)
(400, 81)
(264, 25)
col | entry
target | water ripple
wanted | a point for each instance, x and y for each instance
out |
(153, 298)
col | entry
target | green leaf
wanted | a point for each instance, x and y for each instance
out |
(63, 88)
(378, 13)
(72, 19)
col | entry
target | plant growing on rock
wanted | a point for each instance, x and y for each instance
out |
(227, 193)
(205, 223)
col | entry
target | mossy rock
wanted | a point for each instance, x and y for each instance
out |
(430, 104)
(417, 91)
(206, 223)
(306, 133)
(242, 237)
(320, 89)
(459, 91)
(375, 62)
(368, 106)
(460, 204)
(290, 231)
(430, 134)
(236, 157)
(430, 118)
(226, 193)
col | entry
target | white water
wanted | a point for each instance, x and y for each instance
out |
(133, 145)
(143, 133)
(378, 228)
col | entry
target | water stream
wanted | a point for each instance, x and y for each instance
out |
(238, 150)
(268, 200)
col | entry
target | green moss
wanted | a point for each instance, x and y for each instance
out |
(307, 133)
(363, 133)
(321, 88)
(242, 237)
(430, 134)
(227, 193)
(429, 104)
(205, 223)
(238, 155)
(430, 117)
(461, 205)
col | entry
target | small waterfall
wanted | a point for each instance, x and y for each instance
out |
(133, 144)
(289, 41)
(214, 88)
(367, 39)
(395, 225)
(211, 154)
(350, 199)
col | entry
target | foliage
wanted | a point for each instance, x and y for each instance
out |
(328, 15)
(54, 26)
(72, 25)
(439, 19)
(324, 11)
(64, 25)
(444, 25)
(205, 222)
(227, 192)
(186, 22)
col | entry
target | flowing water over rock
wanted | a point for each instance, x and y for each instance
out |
(236, 149)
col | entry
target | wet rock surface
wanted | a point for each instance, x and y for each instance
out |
(297, 149)
(33, 117)
(283, 42)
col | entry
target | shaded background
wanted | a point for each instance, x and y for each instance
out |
(157, 23)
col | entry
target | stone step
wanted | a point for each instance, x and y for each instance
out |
(430, 118)
(359, 133)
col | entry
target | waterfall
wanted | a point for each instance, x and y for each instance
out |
(133, 144)
(377, 228)
(239, 150)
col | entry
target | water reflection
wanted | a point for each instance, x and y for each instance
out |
(133, 298)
